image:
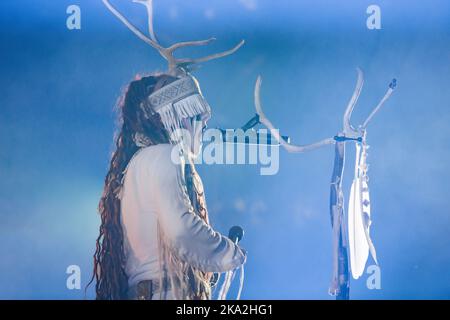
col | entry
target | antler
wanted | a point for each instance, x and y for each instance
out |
(388, 93)
(274, 132)
(176, 66)
(348, 132)
(348, 129)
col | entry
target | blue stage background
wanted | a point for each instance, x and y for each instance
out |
(58, 88)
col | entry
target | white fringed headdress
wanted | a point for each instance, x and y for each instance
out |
(179, 100)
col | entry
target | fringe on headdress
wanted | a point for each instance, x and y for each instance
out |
(173, 114)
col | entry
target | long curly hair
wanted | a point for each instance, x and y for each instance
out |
(109, 258)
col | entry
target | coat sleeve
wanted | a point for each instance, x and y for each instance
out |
(192, 239)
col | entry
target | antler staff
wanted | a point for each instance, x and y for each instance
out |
(340, 278)
(348, 131)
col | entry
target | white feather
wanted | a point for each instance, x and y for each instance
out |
(358, 244)
(365, 202)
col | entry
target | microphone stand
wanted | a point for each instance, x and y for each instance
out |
(261, 139)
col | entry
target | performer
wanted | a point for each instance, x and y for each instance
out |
(155, 239)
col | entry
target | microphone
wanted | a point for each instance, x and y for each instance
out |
(235, 234)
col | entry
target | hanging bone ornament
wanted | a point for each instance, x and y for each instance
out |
(351, 240)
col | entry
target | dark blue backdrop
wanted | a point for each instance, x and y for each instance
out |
(58, 88)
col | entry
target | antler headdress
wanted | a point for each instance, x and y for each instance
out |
(177, 66)
(180, 99)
